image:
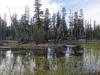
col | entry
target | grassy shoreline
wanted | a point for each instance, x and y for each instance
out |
(32, 45)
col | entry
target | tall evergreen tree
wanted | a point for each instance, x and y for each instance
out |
(63, 24)
(14, 27)
(24, 32)
(46, 24)
(88, 31)
(39, 33)
(3, 28)
(53, 27)
(58, 27)
(78, 30)
(76, 26)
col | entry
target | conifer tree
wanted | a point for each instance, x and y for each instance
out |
(46, 24)
(39, 33)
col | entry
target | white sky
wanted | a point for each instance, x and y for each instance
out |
(18, 6)
(91, 7)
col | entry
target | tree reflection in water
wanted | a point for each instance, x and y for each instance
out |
(50, 61)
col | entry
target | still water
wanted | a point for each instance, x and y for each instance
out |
(49, 61)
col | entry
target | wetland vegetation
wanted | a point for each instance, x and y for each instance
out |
(51, 61)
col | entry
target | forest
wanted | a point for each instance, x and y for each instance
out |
(44, 27)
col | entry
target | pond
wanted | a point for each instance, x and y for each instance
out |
(65, 60)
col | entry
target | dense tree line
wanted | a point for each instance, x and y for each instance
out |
(43, 27)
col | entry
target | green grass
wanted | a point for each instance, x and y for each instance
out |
(95, 46)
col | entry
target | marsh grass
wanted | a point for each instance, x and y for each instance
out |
(41, 65)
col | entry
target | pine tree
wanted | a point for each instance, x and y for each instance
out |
(14, 27)
(53, 27)
(39, 33)
(46, 24)
(64, 26)
(78, 30)
(58, 24)
(3, 27)
(76, 26)
(24, 31)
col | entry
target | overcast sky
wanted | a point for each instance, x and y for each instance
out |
(91, 7)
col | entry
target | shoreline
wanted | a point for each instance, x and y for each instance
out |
(12, 44)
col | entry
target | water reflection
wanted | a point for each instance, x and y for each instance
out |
(91, 60)
(50, 56)
(49, 61)
(74, 51)
(69, 51)
(32, 65)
